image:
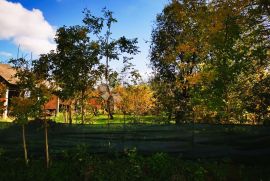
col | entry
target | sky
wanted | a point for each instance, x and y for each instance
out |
(31, 24)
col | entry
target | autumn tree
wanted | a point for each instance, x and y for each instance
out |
(258, 100)
(175, 54)
(204, 55)
(136, 100)
(110, 48)
(34, 93)
(238, 37)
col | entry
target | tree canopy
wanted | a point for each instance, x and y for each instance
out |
(206, 55)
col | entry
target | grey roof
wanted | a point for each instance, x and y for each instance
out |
(8, 73)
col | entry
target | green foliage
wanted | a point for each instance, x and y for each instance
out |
(73, 67)
(160, 165)
(175, 55)
(209, 57)
(34, 92)
(2, 152)
(258, 102)
(110, 49)
(102, 167)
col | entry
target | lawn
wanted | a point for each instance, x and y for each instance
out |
(9, 120)
(118, 119)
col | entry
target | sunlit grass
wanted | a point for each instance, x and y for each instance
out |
(103, 119)
(9, 120)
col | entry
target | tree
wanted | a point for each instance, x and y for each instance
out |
(110, 49)
(238, 41)
(129, 75)
(175, 54)
(258, 102)
(30, 102)
(74, 64)
(137, 100)
(204, 52)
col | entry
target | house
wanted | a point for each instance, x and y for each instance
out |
(8, 79)
(52, 106)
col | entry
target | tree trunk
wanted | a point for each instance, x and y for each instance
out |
(24, 145)
(95, 111)
(64, 117)
(82, 111)
(46, 143)
(124, 118)
(259, 118)
(70, 113)
(65, 114)
(169, 116)
(179, 116)
(110, 114)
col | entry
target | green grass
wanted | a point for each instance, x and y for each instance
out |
(118, 119)
(9, 120)
(103, 119)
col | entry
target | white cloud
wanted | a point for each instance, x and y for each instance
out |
(5, 54)
(26, 28)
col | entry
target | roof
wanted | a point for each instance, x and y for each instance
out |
(8, 73)
(52, 103)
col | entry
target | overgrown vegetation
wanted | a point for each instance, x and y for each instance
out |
(78, 165)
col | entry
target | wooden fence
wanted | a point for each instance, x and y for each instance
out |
(191, 141)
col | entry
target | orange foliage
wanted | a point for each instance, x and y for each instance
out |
(200, 77)
(136, 100)
(187, 48)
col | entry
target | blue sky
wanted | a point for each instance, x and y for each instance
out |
(40, 18)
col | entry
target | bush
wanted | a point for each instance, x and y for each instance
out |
(79, 165)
